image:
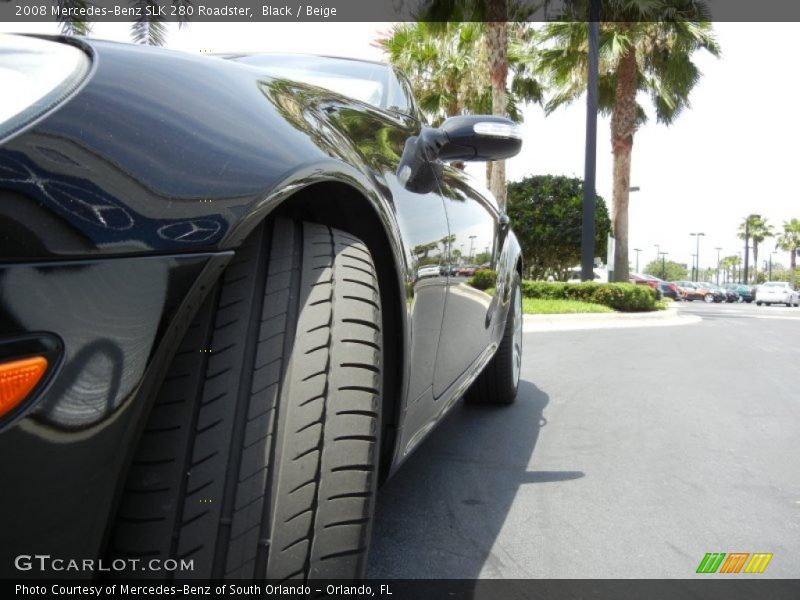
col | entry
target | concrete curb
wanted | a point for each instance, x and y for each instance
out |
(567, 322)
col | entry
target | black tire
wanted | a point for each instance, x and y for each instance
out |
(260, 456)
(497, 383)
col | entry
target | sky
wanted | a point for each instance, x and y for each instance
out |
(731, 154)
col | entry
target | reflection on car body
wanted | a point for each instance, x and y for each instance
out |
(245, 276)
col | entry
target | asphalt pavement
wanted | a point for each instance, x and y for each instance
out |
(630, 453)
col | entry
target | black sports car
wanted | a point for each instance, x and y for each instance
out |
(214, 337)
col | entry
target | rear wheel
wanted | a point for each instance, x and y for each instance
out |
(499, 380)
(259, 458)
(709, 298)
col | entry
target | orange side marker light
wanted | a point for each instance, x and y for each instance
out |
(17, 379)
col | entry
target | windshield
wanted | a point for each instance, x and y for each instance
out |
(355, 79)
(775, 284)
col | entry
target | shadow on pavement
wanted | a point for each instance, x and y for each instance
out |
(440, 514)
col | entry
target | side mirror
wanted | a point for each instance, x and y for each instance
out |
(480, 138)
(465, 138)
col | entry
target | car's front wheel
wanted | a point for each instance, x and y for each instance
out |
(709, 298)
(499, 381)
(260, 456)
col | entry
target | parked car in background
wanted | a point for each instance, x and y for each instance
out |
(719, 294)
(777, 292)
(670, 290)
(732, 295)
(695, 291)
(746, 293)
(429, 271)
(600, 275)
(683, 290)
(467, 270)
(648, 280)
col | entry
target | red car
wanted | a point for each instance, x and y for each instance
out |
(467, 270)
(648, 280)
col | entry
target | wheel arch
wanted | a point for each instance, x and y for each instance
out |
(348, 208)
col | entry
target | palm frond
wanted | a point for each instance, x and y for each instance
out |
(149, 30)
(70, 26)
(181, 12)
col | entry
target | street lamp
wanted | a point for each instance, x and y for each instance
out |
(718, 251)
(590, 150)
(739, 265)
(770, 265)
(471, 245)
(637, 250)
(663, 255)
(697, 271)
(694, 260)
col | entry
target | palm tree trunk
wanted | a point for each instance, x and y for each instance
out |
(497, 41)
(623, 126)
(755, 262)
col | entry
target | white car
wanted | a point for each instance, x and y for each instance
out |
(428, 271)
(777, 292)
(600, 275)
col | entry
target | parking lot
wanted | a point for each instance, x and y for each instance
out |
(630, 452)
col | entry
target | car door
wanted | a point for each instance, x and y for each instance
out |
(468, 327)
(379, 137)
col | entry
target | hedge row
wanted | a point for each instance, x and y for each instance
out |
(625, 297)
(484, 279)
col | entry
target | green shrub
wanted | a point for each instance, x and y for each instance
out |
(483, 279)
(625, 297)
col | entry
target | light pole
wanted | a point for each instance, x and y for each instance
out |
(471, 245)
(770, 265)
(694, 272)
(663, 256)
(718, 251)
(739, 269)
(637, 250)
(697, 270)
(590, 151)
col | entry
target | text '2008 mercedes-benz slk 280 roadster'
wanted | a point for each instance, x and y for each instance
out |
(220, 324)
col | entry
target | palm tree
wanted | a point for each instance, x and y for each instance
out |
(499, 51)
(448, 65)
(728, 264)
(441, 61)
(71, 26)
(497, 48)
(147, 29)
(758, 230)
(789, 241)
(639, 52)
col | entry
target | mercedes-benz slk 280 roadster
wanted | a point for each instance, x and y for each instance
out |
(227, 310)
